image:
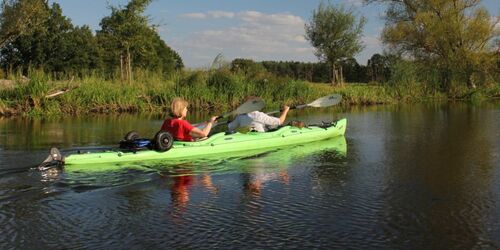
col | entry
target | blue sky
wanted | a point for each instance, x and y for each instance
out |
(258, 29)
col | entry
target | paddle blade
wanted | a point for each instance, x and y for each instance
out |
(255, 104)
(326, 101)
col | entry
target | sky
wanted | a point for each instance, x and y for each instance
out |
(255, 29)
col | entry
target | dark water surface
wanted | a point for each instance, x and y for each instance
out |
(403, 177)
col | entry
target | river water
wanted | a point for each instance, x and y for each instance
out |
(416, 176)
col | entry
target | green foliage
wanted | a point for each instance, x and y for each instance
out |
(223, 82)
(312, 72)
(126, 35)
(404, 73)
(335, 33)
(62, 49)
(3, 106)
(19, 17)
(221, 90)
(247, 66)
(404, 80)
(379, 67)
(362, 94)
(126, 28)
(352, 71)
(59, 47)
(477, 97)
(450, 35)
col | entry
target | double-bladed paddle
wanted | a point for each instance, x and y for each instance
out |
(322, 102)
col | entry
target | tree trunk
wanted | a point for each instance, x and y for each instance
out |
(121, 68)
(341, 78)
(334, 73)
(129, 66)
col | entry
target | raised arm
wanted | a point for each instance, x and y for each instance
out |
(283, 114)
(200, 133)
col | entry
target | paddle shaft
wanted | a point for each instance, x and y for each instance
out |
(293, 107)
(325, 101)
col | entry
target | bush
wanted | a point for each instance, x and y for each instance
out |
(404, 82)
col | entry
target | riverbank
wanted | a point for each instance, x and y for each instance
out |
(206, 90)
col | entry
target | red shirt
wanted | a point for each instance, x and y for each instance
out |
(179, 129)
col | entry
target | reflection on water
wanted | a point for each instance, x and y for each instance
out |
(421, 176)
(180, 191)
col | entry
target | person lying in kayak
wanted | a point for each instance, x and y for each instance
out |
(181, 129)
(257, 121)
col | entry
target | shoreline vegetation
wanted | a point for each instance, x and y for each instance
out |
(217, 90)
(444, 50)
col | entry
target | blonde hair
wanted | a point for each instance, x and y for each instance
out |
(177, 106)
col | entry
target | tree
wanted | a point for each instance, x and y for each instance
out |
(453, 36)
(123, 33)
(336, 35)
(56, 46)
(167, 59)
(20, 17)
(247, 67)
(352, 70)
(130, 41)
(378, 67)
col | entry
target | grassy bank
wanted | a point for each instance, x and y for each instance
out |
(216, 90)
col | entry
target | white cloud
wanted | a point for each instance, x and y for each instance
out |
(252, 34)
(255, 35)
(250, 16)
(220, 14)
(272, 19)
(195, 15)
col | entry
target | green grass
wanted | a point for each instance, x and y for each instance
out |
(216, 90)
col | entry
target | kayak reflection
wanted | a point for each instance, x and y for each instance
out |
(256, 170)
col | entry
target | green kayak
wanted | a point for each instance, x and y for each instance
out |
(273, 158)
(216, 144)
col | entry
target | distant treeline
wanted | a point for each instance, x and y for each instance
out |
(125, 41)
(378, 69)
